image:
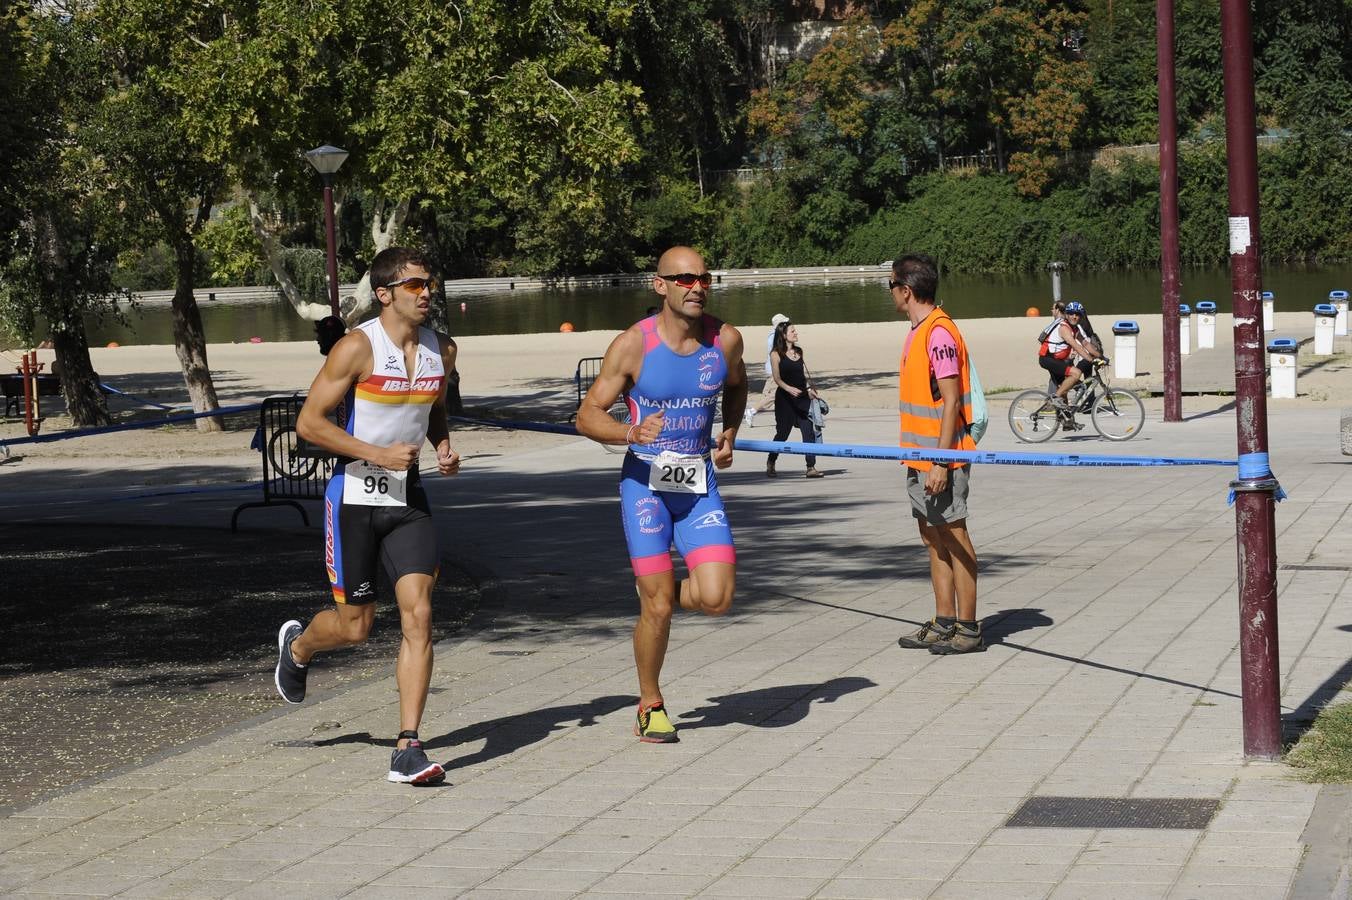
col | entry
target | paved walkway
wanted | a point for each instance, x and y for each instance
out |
(817, 759)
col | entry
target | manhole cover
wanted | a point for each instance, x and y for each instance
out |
(1113, 812)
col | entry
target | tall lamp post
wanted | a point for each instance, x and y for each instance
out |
(327, 160)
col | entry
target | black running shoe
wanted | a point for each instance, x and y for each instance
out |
(411, 766)
(290, 676)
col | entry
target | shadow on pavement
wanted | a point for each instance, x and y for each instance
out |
(125, 641)
(774, 707)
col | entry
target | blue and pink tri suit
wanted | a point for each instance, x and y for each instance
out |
(687, 388)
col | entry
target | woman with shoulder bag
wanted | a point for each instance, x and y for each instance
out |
(793, 396)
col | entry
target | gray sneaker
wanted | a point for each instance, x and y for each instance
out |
(928, 635)
(961, 640)
(411, 766)
(290, 675)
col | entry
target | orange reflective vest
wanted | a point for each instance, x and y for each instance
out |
(921, 406)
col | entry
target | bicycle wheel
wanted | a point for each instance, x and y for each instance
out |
(1118, 415)
(1032, 417)
(620, 413)
(284, 450)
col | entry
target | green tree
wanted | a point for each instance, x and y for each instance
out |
(58, 229)
(165, 181)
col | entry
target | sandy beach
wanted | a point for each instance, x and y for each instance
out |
(530, 377)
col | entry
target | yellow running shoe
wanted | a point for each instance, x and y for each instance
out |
(653, 726)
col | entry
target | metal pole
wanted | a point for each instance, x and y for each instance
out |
(1255, 489)
(1170, 293)
(331, 239)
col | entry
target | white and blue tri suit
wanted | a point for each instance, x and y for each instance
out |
(687, 389)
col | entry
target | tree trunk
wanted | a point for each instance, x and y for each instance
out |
(273, 254)
(383, 233)
(190, 340)
(79, 385)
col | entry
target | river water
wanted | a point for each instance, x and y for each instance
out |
(1106, 295)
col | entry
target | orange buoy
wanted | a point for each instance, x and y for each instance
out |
(113, 345)
(566, 327)
(1031, 312)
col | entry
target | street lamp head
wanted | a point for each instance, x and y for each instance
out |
(326, 159)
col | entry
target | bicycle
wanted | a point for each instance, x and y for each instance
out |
(1117, 414)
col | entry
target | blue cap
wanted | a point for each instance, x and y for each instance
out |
(1126, 326)
(1337, 295)
(1282, 345)
(1184, 309)
(1075, 306)
(1325, 309)
(1206, 306)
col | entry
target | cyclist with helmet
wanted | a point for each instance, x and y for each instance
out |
(1067, 351)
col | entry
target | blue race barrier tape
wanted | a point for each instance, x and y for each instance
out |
(1255, 467)
(112, 390)
(868, 451)
(976, 456)
(130, 426)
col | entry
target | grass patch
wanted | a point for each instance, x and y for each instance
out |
(1324, 753)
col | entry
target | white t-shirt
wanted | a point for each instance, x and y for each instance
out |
(769, 348)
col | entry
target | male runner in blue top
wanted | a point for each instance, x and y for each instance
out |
(673, 366)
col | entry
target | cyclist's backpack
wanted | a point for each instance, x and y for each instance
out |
(980, 415)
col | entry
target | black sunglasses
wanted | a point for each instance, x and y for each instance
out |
(893, 285)
(687, 279)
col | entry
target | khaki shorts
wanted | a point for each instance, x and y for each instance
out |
(939, 509)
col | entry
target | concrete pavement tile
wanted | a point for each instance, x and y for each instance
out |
(400, 892)
(395, 835)
(184, 889)
(1221, 840)
(1279, 857)
(762, 886)
(943, 827)
(1235, 874)
(1187, 889)
(597, 843)
(540, 882)
(598, 861)
(516, 822)
(18, 866)
(762, 798)
(519, 843)
(97, 885)
(348, 853)
(850, 799)
(682, 844)
(634, 884)
(346, 875)
(1031, 852)
(821, 847)
(945, 800)
(813, 826)
(260, 851)
(280, 887)
(808, 867)
(877, 889)
(1123, 876)
(715, 828)
(901, 862)
(1144, 837)
(1127, 855)
(1009, 872)
(1081, 891)
(1005, 890)
(433, 877)
(1042, 837)
(457, 857)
